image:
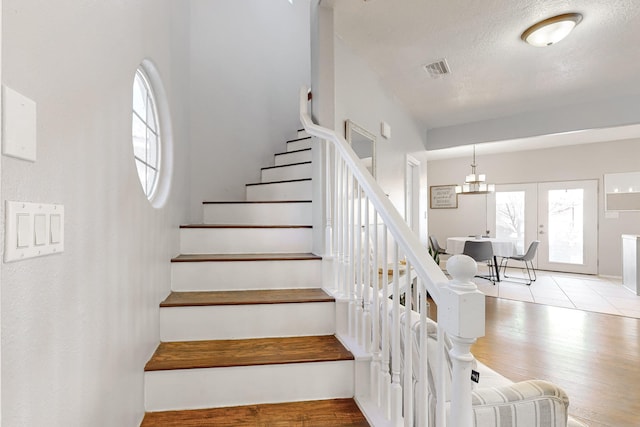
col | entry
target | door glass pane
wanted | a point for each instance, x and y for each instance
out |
(565, 233)
(510, 217)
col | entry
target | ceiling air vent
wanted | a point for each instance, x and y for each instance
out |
(438, 69)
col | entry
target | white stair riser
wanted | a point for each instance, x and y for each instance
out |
(244, 275)
(301, 144)
(247, 321)
(302, 134)
(220, 387)
(285, 173)
(293, 157)
(294, 190)
(245, 240)
(258, 213)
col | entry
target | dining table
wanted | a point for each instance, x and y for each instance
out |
(501, 248)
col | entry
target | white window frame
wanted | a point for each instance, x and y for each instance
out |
(149, 162)
(158, 191)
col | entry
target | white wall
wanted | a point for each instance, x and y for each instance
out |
(78, 327)
(361, 98)
(588, 161)
(249, 59)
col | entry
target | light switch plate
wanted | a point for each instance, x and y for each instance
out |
(23, 237)
(40, 229)
(33, 229)
(385, 130)
(18, 125)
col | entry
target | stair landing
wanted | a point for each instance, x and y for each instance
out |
(318, 413)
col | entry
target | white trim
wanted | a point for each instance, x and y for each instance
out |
(414, 196)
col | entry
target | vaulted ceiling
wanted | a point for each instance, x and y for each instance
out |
(494, 74)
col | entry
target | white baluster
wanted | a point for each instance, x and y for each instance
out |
(408, 350)
(385, 381)
(443, 371)
(463, 321)
(345, 231)
(359, 267)
(375, 318)
(337, 224)
(396, 388)
(423, 391)
(366, 295)
(335, 192)
(352, 257)
(329, 173)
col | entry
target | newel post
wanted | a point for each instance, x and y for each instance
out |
(462, 316)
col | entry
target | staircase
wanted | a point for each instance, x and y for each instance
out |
(247, 334)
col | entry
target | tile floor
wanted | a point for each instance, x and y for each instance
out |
(580, 291)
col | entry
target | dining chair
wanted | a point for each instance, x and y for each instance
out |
(527, 258)
(435, 246)
(482, 252)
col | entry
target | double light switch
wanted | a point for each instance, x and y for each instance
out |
(33, 229)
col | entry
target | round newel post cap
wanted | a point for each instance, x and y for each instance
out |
(462, 268)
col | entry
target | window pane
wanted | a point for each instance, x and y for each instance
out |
(139, 96)
(565, 226)
(139, 135)
(510, 217)
(151, 180)
(152, 151)
(151, 117)
(142, 174)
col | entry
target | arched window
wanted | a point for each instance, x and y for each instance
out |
(146, 135)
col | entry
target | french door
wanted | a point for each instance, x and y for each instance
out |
(568, 226)
(561, 215)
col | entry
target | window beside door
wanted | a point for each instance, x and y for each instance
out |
(510, 217)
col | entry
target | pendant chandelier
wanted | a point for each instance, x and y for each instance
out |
(475, 183)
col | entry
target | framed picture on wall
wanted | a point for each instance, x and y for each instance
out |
(443, 197)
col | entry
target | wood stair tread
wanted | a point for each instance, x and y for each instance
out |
(286, 166)
(249, 297)
(246, 257)
(299, 139)
(255, 202)
(242, 226)
(293, 151)
(278, 182)
(317, 413)
(247, 352)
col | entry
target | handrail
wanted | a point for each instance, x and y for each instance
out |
(415, 252)
(398, 386)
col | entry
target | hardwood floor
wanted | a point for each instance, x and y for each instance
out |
(322, 413)
(594, 357)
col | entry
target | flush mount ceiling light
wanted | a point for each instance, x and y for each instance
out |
(551, 30)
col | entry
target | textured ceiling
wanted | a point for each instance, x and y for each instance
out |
(494, 74)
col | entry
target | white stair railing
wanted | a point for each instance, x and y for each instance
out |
(364, 228)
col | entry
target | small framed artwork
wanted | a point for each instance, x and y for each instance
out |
(443, 197)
